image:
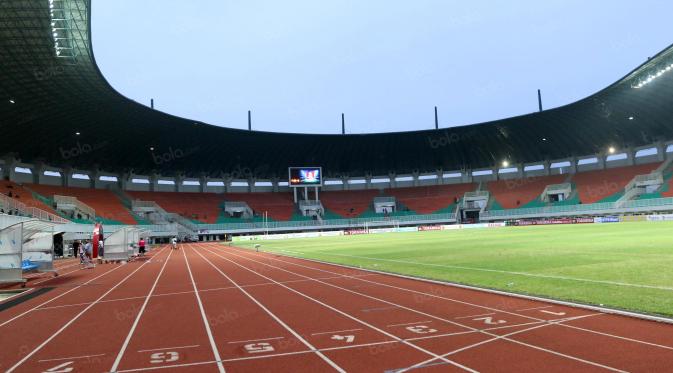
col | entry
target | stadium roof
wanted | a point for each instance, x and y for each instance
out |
(60, 110)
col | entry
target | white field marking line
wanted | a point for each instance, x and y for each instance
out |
(169, 348)
(409, 323)
(547, 323)
(565, 278)
(337, 331)
(257, 340)
(322, 349)
(57, 297)
(506, 337)
(140, 313)
(485, 307)
(44, 343)
(467, 317)
(276, 318)
(533, 309)
(71, 358)
(346, 314)
(206, 324)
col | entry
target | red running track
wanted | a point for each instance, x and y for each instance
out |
(213, 308)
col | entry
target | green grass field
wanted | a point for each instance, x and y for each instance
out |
(625, 265)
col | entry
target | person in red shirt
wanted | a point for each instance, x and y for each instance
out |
(141, 246)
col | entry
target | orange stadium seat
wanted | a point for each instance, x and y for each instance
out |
(279, 206)
(24, 196)
(516, 193)
(203, 207)
(348, 203)
(594, 186)
(106, 204)
(429, 199)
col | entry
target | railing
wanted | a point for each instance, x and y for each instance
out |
(654, 178)
(446, 217)
(10, 204)
(83, 207)
(558, 187)
(479, 194)
(656, 203)
(384, 199)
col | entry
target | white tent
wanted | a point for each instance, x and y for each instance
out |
(123, 244)
(27, 240)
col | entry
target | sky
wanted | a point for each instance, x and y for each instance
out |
(298, 64)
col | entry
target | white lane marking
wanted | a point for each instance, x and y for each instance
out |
(182, 293)
(553, 313)
(278, 320)
(533, 309)
(409, 323)
(456, 364)
(71, 358)
(56, 297)
(471, 316)
(216, 351)
(458, 301)
(169, 348)
(257, 340)
(337, 331)
(38, 348)
(61, 368)
(506, 337)
(328, 348)
(445, 320)
(125, 344)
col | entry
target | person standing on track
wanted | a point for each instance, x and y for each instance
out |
(174, 242)
(141, 246)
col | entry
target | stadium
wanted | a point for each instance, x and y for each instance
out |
(540, 242)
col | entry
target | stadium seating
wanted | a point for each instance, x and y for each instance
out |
(430, 199)
(200, 207)
(108, 207)
(518, 193)
(607, 185)
(24, 196)
(348, 203)
(279, 206)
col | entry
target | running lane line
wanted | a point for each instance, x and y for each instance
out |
(278, 320)
(125, 345)
(216, 351)
(496, 337)
(362, 322)
(38, 348)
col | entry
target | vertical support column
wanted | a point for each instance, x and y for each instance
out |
(94, 173)
(661, 151)
(414, 178)
(440, 176)
(368, 181)
(38, 170)
(251, 184)
(630, 156)
(65, 176)
(467, 177)
(317, 198)
(179, 178)
(602, 158)
(393, 182)
(154, 182)
(519, 172)
(344, 182)
(122, 179)
(294, 192)
(275, 184)
(203, 183)
(573, 165)
(547, 167)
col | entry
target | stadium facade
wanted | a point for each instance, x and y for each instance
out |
(62, 124)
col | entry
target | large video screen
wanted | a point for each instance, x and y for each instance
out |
(305, 176)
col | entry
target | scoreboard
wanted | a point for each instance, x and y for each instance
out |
(305, 176)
